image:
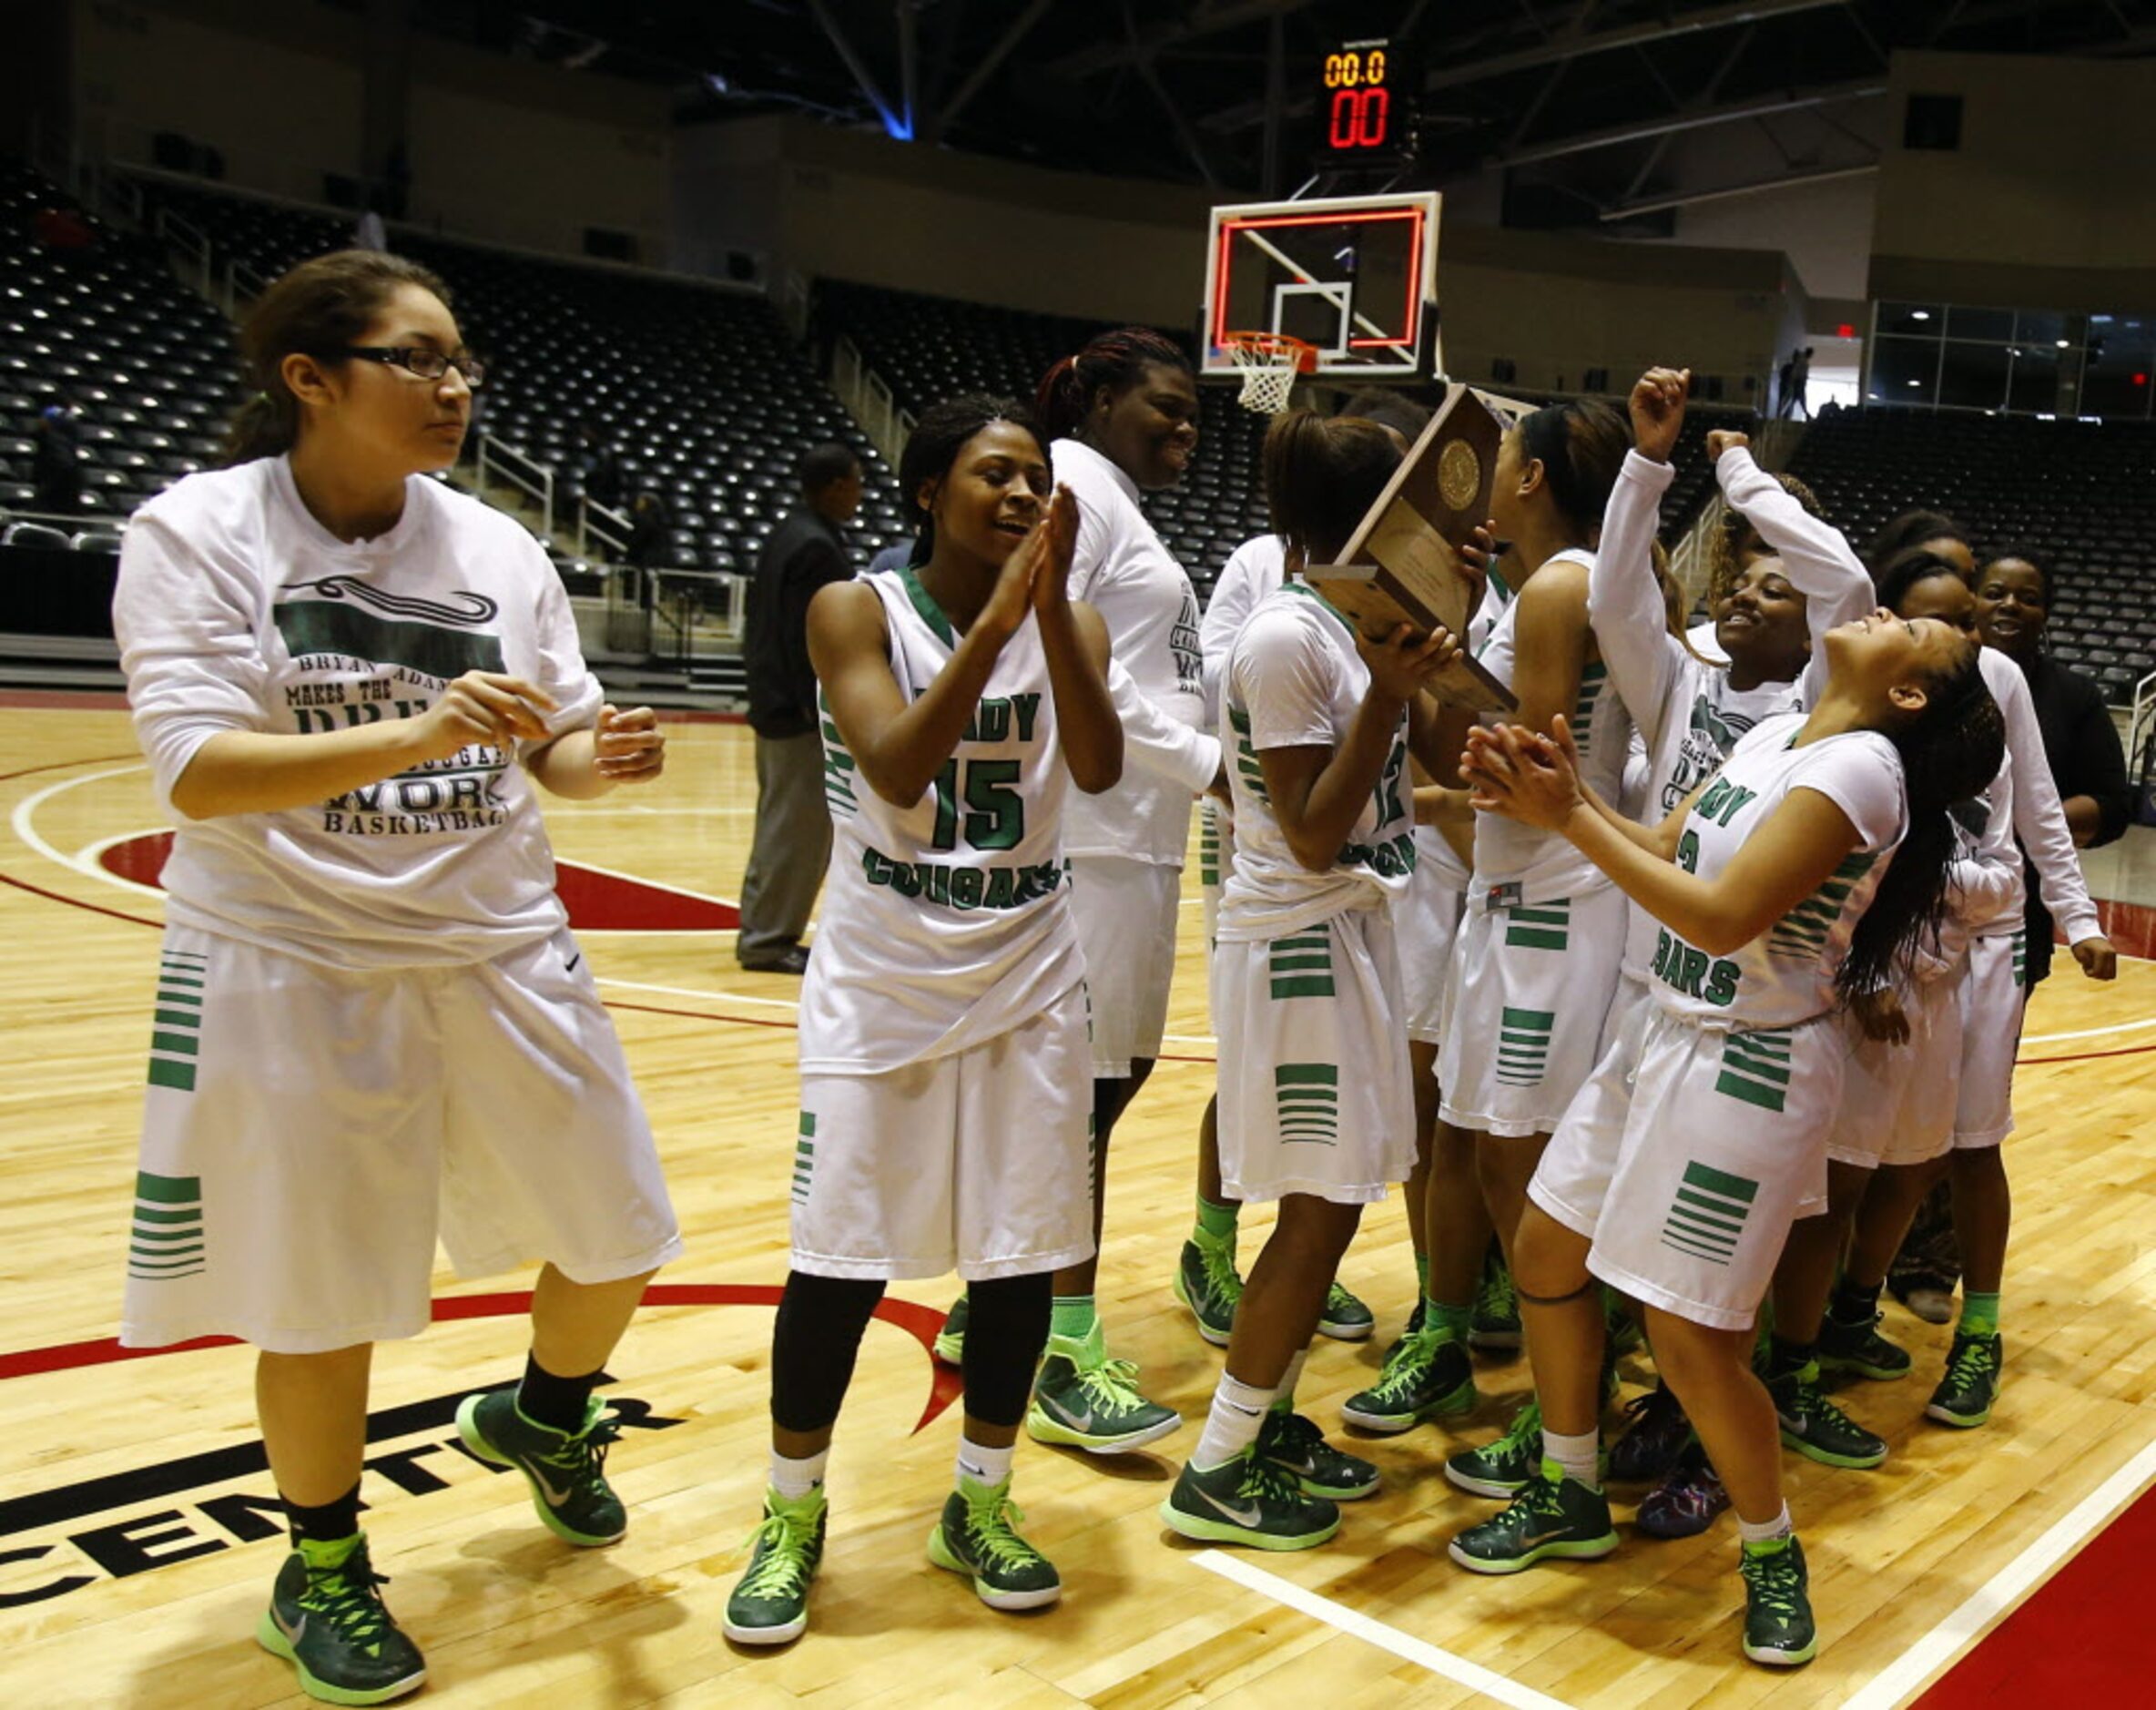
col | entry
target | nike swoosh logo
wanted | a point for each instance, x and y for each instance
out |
(293, 1633)
(570, 966)
(554, 1498)
(1076, 1422)
(1241, 1516)
(1543, 1537)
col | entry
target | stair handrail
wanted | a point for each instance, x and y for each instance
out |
(520, 471)
(193, 240)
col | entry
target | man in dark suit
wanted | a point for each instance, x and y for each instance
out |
(793, 826)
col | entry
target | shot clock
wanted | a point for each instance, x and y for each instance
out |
(1365, 104)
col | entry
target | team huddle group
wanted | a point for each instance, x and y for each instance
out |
(1666, 993)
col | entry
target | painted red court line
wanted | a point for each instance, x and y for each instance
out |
(2074, 1641)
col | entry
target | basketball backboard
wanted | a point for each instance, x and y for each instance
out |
(1355, 276)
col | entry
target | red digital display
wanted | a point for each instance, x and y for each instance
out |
(1363, 101)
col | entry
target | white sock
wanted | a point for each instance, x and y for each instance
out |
(984, 1466)
(1231, 1427)
(1768, 1530)
(1283, 1398)
(795, 1479)
(1579, 1456)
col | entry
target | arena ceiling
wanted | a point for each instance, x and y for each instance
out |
(1593, 109)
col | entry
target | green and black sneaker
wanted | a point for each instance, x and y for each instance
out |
(1345, 1319)
(1084, 1400)
(1965, 1393)
(566, 1469)
(1815, 1428)
(1296, 1445)
(1552, 1516)
(978, 1536)
(950, 1340)
(1248, 1500)
(769, 1604)
(326, 1618)
(1503, 1468)
(1859, 1347)
(1427, 1375)
(1621, 1326)
(1496, 1320)
(1207, 1282)
(1779, 1626)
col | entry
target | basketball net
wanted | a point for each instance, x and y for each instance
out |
(1269, 362)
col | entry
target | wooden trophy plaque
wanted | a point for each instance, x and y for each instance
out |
(1402, 565)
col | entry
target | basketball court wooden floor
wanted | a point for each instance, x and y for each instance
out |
(137, 1544)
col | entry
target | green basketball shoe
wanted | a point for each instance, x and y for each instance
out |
(769, 1604)
(978, 1537)
(1296, 1445)
(1345, 1319)
(1965, 1393)
(1495, 1321)
(1248, 1500)
(566, 1469)
(950, 1340)
(1859, 1347)
(1503, 1468)
(1207, 1282)
(326, 1618)
(1815, 1428)
(1779, 1626)
(1428, 1376)
(1552, 1516)
(1084, 1400)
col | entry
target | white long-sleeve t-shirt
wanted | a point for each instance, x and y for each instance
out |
(237, 610)
(1124, 572)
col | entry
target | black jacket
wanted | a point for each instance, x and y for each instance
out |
(804, 552)
(2083, 746)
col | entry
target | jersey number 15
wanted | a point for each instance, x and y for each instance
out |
(994, 813)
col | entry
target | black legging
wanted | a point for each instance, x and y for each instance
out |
(819, 1336)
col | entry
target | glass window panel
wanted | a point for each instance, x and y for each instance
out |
(1974, 377)
(2121, 371)
(1994, 324)
(2034, 387)
(1903, 371)
(1922, 321)
(2040, 326)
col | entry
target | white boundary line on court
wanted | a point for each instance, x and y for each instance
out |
(1982, 1609)
(707, 997)
(1457, 1669)
(26, 811)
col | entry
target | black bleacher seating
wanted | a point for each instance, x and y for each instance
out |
(2082, 494)
(108, 328)
(702, 394)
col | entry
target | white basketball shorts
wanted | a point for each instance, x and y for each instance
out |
(979, 1162)
(1724, 1148)
(1424, 921)
(1216, 859)
(1994, 993)
(1125, 914)
(308, 1132)
(1898, 1101)
(1531, 990)
(1315, 1094)
(1572, 1183)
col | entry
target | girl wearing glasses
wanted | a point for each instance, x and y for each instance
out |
(372, 1023)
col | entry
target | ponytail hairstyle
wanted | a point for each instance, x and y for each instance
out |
(1912, 528)
(316, 309)
(1725, 545)
(938, 438)
(1322, 473)
(1949, 751)
(1117, 360)
(1580, 446)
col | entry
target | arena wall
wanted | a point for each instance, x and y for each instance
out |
(499, 150)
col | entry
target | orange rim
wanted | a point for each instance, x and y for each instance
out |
(1274, 345)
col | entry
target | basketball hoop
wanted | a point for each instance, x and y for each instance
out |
(1269, 362)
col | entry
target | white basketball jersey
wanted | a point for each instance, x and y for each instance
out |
(948, 922)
